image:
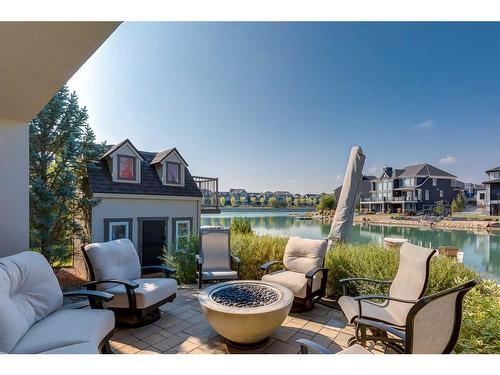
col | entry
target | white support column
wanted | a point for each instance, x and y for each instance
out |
(14, 193)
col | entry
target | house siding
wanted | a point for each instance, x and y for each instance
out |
(135, 208)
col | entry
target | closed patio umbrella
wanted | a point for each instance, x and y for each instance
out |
(344, 215)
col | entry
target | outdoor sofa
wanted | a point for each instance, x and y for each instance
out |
(33, 319)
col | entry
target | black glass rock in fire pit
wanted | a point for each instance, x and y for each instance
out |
(245, 295)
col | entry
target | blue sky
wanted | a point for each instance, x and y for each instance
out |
(277, 106)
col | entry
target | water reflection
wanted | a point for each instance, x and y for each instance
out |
(481, 249)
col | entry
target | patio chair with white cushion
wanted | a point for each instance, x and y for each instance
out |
(33, 319)
(303, 273)
(432, 326)
(214, 261)
(114, 267)
(408, 285)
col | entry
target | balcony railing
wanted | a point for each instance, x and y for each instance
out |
(389, 200)
(209, 187)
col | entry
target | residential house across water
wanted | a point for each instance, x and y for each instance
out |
(492, 200)
(410, 189)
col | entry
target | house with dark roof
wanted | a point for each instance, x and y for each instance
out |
(364, 190)
(147, 197)
(492, 199)
(411, 189)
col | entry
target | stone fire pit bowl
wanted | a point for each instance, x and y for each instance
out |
(246, 312)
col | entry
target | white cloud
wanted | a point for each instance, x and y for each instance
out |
(426, 124)
(448, 159)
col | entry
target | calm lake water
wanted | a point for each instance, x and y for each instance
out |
(481, 249)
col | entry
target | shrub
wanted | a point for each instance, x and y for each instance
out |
(481, 320)
(256, 250)
(241, 225)
(184, 261)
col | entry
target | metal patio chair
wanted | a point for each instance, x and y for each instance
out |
(303, 272)
(214, 261)
(114, 267)
(409, 283)
(432, 326)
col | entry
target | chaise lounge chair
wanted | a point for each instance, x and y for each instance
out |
(303, 273)
(215, 262)
(114, 268)
(33, 319)
(432, 326)
(408, 285)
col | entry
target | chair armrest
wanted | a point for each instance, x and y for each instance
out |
(199, 259)
(310, 274)
(159, 268)
(236, 259)
(266, 266)
(96, 298)
(382, 326)
(361, 298)
(127, 283)
(365, 279)
(305, 345)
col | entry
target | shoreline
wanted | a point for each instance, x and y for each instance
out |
(474, 225)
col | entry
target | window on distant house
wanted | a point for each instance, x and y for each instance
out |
(126, 167)
(481, 196)
(434, 182)
(173, 173)
(427, 195)
(182, 231)
(440, 193)
(115, 229)
(419, 194)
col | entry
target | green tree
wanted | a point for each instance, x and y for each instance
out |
(273, 202)
(327, 202)
(262, 201)
(243, 200)
(222, 201)
(62, 144)
(454, 206)
(288, 201)
(233, 201)
(296, 202)
(253, 200)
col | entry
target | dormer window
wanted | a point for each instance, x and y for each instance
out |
(173, 173)
(126, 168)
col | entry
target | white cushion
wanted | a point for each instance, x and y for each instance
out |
(220, 275)
(294, 281)
(302, 254)
(81, 348)
(149, 292)
(391, 312)
(116, 259)
(29, 291)
(67, 327)
(214, 249)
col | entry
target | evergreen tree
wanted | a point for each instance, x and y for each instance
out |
(61, 145)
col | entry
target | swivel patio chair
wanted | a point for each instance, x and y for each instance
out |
(214, 261)
(409, 283)
(33, 319)
(114, 267)
(432, 326)
(303, 272)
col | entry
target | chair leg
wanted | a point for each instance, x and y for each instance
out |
(199, 281)
(106, 348)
